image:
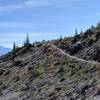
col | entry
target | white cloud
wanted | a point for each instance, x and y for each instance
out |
(15, 25)
(91, 17)
(25, 5)
(26, 25)
(35, 3)
(64, 3)
(38, 3)
(98, 14)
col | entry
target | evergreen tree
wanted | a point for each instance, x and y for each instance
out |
(92, 27)
(98, 26)
(81, 32)
(61, 37)
(14, 46)
(27, 41)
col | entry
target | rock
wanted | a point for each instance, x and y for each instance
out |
(53, 98)
(1, 71)
(17, 78)
(6, 72)
(24, 87)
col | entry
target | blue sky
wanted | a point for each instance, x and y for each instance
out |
(45, 19)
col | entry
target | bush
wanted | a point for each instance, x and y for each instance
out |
(98, 26)
(17, 63)
(38, 71)
(97, 57)
(92, 39)
(75, 49)
(97, 35)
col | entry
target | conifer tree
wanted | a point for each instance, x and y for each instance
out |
(61, 37)
(81, 32)
(27, 41)
(14, 46)
(98, 26)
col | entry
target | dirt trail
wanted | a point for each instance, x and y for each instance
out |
(73, 57)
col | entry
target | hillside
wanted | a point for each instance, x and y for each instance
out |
(90, 41)
(52, 71)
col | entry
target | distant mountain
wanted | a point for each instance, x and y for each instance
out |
(4, 50)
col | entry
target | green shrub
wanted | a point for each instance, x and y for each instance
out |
(38, 71)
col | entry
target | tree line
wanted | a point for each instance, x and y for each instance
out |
(26, 42)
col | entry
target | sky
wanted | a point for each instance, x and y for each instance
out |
(45, 19)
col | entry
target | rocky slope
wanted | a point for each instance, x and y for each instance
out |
(90, 41)
(47, 71)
